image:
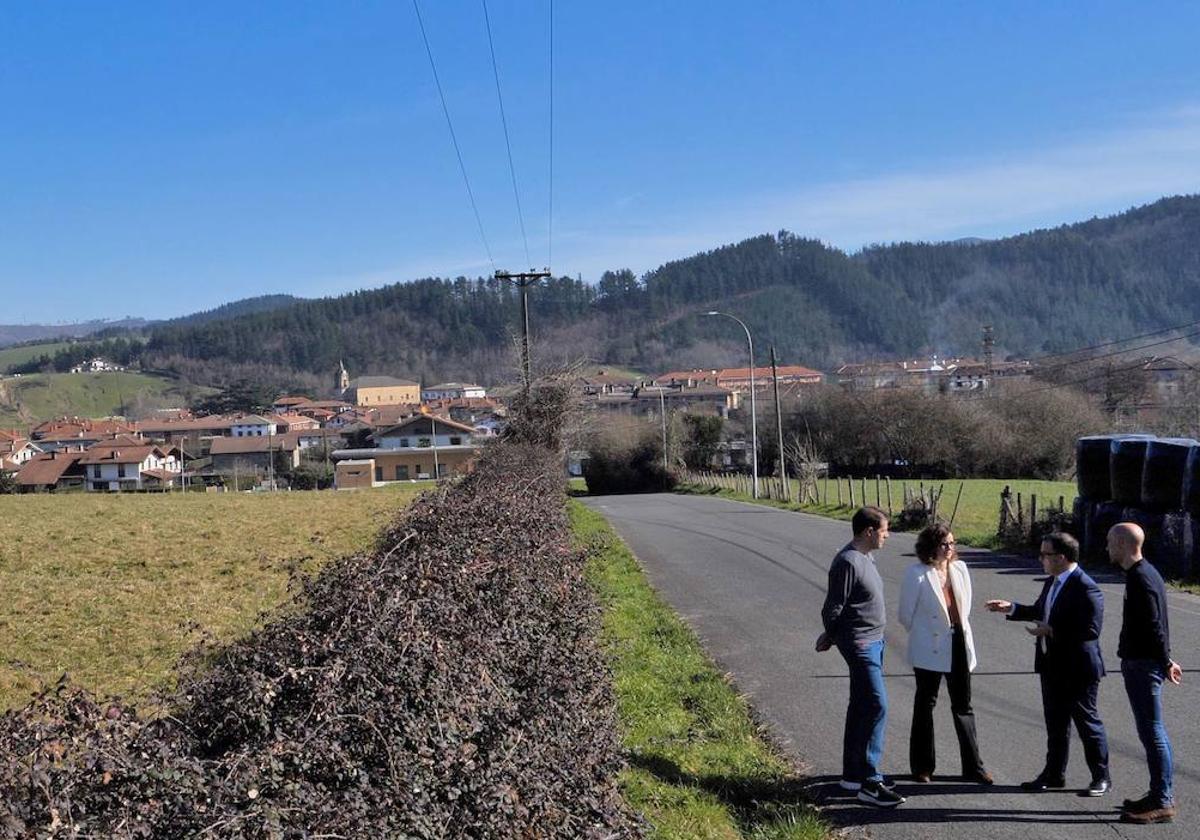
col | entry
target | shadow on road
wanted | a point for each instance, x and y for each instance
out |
(842, 808)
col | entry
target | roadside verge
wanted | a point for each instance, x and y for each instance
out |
(698, 764)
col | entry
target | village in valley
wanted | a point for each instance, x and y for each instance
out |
(373, 430)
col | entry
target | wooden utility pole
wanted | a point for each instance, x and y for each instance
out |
(524, 280)
(787, 490)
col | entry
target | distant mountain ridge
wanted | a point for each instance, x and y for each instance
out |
(27, 333)
(21, 333)
(1042, 291)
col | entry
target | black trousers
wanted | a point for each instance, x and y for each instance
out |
(1065, 700)
(921, 755)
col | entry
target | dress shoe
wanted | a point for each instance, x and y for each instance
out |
(979, 777)
(1098, 787)
(1040, 784)
(922, 778)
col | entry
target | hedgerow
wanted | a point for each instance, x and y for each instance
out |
(446, 684)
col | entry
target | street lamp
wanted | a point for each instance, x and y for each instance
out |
(753, 401)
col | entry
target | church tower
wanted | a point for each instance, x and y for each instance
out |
(341, 378)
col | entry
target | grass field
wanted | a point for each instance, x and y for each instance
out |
(699, 766)
(978, 511)
(10, 356)
(107, 587)
(37, 397)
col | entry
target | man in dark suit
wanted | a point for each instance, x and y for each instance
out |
(1067, 616)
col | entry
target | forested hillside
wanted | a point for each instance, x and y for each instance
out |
(1043, 291)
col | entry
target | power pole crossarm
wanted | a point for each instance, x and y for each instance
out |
(523, 281)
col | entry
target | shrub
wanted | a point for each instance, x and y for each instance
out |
(625, 456)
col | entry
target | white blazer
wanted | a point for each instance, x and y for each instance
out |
(923, 614)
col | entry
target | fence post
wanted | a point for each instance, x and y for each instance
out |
(850, 484)
(1032, 511)
(889, 495)
(837, 482)
(1020, 514)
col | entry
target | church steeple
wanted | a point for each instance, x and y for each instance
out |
(342, 378)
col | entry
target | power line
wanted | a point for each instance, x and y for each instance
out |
(1082, 379)
(550, 213)
(453, 137)
(504, 122)
(1118, 341)
(1121, 352)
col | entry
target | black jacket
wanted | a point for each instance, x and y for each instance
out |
(1077, 616)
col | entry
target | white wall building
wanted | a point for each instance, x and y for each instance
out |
(112, 468)
(452, 391)
(253, 426)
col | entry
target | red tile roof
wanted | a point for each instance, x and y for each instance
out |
(118, 454)
(45, 470)
(256, 443)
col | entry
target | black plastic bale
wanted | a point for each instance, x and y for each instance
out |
(1164, 477)
(1082, 518)
(1102, 517)
(1126, 465)
(1091, 467)
(1191, 483)
(1169, 541)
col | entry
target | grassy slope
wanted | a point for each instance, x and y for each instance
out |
(37, 397)
(106, 587)
(699, 767)
(10, 356)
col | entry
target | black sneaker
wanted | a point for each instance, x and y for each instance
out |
(874, 793)
(847, 784)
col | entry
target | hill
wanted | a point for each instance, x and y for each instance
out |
(27, 400)
(22, 354)
(1042, 291)
(247, 306)
(18, 333)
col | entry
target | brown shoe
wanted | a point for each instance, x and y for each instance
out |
(1150, 813)
(922, 778)
(979, 777)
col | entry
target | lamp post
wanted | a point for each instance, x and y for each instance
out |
(753, 401)
(662, 413)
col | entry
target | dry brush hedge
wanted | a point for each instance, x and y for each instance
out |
(448, 684)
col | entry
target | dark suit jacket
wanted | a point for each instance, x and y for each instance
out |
(1077, 616)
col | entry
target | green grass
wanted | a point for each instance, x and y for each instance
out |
(28, 400)
(113, 588)
(12, 356)
(699, 766)
(978, 511)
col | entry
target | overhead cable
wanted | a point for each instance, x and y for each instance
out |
(507, 143)
(454, 138)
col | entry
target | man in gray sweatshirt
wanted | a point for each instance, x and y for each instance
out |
(854, 618)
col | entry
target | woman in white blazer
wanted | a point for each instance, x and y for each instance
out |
(935, 601)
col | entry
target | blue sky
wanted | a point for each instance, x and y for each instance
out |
(161, 158)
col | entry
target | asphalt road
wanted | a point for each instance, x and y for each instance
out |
(750, 581)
